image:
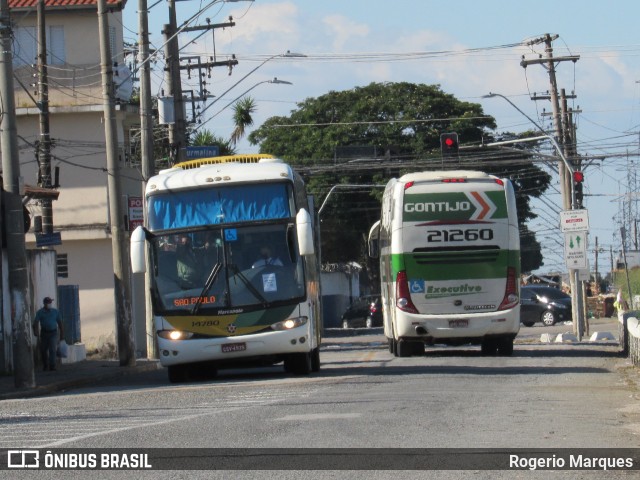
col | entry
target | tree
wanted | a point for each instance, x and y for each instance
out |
(207, 138)
(242, 117)
(366, 135)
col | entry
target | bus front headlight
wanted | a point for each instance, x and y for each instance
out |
(174, 334)
(289, 323)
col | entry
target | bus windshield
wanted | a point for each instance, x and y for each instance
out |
(223, 268)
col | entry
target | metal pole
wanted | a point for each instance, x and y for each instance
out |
(122, 287)
(24, 376)
(146, 153)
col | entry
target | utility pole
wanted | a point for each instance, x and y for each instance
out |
(24, 376)
(177, 130)
(562, 134)
(44, 146)
(122, 287)
(146, 153)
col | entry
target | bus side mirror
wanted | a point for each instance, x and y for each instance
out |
(304, 228)
(374, 240)
(138, 245)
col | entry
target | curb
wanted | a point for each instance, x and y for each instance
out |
(37, 391)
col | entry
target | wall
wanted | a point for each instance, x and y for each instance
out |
(338, 291)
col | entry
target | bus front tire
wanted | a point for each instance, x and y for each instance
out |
(298, 363)
(315, 360)
(178, 373)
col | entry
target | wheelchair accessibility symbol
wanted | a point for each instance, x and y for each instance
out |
(416, 286)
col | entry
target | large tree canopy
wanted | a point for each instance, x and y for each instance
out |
(404, 119)
(367, 135)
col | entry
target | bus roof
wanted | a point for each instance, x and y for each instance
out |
(220, 170)
(442, 174)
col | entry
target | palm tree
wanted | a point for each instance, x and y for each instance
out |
(242, 111)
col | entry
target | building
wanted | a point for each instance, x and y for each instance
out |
(80, 214)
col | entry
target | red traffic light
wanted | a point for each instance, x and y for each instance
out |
(449, 144)
(578, 177)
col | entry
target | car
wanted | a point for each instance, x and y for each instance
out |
(364, 312)
(543, 304)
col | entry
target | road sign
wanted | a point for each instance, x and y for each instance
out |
(48, 239)
(202, 152)
(575, 250)
(574, 221)
(136, 212)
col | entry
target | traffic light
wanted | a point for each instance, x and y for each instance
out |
(449, 145)
(578, 178)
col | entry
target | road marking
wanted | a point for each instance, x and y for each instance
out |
(319, 416)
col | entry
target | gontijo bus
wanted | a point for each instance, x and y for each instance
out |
(449, 251)
(216, 300)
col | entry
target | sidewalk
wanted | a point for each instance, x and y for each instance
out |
(70, 375)
(92, 372)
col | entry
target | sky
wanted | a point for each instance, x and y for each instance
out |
(467, 47)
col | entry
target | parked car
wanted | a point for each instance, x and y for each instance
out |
(363, 312)
(543, 304)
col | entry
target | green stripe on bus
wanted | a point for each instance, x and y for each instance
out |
(455, 265)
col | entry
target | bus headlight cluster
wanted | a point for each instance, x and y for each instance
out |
(174, 334)
(289, 323)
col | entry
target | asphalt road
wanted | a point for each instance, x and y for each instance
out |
(547, 396)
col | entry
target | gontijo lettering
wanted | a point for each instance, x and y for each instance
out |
(437, 207)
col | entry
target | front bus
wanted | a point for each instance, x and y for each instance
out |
(217, 299)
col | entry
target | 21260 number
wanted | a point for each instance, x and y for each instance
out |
(459, 235)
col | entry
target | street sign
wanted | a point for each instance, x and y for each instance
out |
(574, 221)
(136, 212)
(195, 152)
(575, 250)
(48, 239)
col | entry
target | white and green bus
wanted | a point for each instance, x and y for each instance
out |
(231, 248)
(449, 249)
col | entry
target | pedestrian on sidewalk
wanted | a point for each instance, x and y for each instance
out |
(47, 323)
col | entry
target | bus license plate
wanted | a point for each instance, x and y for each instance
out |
(234, 347)
(461, 323)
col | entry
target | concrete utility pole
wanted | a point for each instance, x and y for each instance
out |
(563, 132)
(177, 130)
(146, 153)
(122, 287)
(44, 146)
(24, 376)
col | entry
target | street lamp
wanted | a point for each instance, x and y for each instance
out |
(275, 80)
(288, 54)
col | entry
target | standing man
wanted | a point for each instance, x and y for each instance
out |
(49, 320)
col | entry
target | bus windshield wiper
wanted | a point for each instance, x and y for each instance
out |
(256, 293)
(207, 286)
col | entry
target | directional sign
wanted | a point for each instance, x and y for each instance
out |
(575, 250)
(574, 221)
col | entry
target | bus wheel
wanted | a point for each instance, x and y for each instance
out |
(404, 348)
(315, 360)
(505, 347)
(178, 373)
(298, 363)
(488, 346)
